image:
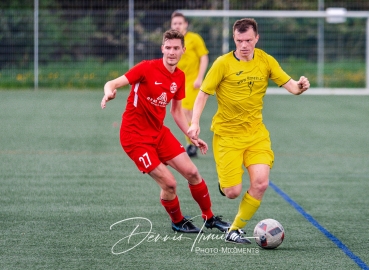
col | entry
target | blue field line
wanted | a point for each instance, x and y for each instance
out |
(330, 236)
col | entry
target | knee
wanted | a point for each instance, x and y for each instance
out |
(170, 187)
(232, 192)
(231, 195)
(193, 176)
(260, 186)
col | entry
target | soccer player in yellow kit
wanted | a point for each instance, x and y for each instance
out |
(193, 63)
(240, 80)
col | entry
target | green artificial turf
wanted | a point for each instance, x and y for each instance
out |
(64, 181)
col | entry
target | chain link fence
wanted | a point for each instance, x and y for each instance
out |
(83, 44)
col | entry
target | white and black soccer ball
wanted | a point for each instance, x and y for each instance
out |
(269, 233)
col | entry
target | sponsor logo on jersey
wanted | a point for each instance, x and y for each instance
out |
(163, 97)
(250, 84)
(160, 100)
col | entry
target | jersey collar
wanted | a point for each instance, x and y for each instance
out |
(234, 54)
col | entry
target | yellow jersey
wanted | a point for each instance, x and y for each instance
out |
(240, 87)
(190, 61)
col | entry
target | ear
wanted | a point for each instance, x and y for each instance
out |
(162, 48)
(257, 38)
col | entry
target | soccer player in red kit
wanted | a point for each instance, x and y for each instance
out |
(150, 144)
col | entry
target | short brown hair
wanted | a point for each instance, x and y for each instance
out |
(178, 14)
(173, 34)
(245, 24)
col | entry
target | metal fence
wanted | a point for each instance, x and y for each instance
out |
(83, 48)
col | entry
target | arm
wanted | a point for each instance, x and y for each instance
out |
(110, 89)
(204, 61)
(200, 102)
(297, 87)
(181, 121)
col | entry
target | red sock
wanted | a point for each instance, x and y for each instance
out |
(173, 209)
(201, 195)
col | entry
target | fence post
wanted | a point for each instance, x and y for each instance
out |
(367, 55)
(225, 47)
(131, 41)
(35, 15)
(320, 73)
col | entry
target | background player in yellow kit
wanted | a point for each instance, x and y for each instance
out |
(193, 63)
(240, 80)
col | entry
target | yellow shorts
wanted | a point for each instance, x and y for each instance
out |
(230, 153)
(189, 100)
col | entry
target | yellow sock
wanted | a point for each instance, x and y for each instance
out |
(248, 207)
(188, 141)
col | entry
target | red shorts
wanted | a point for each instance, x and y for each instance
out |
(148, 152)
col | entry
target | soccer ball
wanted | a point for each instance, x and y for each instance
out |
(269, 233)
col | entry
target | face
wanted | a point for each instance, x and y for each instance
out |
(245, 43)
(179, 24)
(172, 50)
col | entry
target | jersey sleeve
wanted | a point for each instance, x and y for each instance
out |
(136, 73)
(277, 74)
(213, 77)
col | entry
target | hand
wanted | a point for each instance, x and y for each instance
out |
(197, 83)
(108, 97)
(203, 146)
(193, 132)
(303, 84)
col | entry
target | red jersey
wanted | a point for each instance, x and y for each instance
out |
(153, 87)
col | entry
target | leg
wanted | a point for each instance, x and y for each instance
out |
(175, 157)
(183, 164)
(232, 192)
(259, 180)
(168, 195)
(166, 181)
(180, 161)
(148, 160)
(169, 200)
(258, 159)
(228, 155)
(199, 190)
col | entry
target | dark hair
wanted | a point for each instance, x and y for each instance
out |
(245, 24)
(173, 34)
(178, 14)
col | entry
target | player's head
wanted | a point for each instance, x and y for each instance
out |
(244, 25)
(173, 34)
(179, 22)
(245, 35)
(172, 47)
